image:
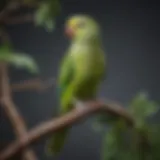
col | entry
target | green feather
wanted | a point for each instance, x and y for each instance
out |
(81, 72)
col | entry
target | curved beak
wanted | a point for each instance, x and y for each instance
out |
(69, 32)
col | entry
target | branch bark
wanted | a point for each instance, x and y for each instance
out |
(15, 6)
(12, 6)
(33, 85)
(11, 111)
(59, 123)
(18, 19)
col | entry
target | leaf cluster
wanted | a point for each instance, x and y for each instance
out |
(17, 59)
(141, 142)
(44, 15)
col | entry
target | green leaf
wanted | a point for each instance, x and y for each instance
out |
(20, 60)
(123, 143)
(41, 14)
(109, 146)
(103, 120)
(4, 50)
(154, 132)
(141, 108)
(46, 14)
(115, 146)
(49, 25)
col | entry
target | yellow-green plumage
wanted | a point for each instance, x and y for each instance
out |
(81, 71)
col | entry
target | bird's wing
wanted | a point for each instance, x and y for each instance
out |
(65, 74)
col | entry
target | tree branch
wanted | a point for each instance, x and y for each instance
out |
(33, 84)
(15, 6)
(11, 6)
(59, 123)
(11, 111)
(18, 19)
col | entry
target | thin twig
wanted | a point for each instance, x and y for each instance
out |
(12, 6)
(33, 85)
(12, 112)
(15, 6)
(57, 124)
(18, 19)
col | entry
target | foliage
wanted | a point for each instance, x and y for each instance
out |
(19, 60)
(46, 14)
(120, 141)
(140, 142)
(142, 108)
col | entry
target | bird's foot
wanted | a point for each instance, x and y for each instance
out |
(78, 104)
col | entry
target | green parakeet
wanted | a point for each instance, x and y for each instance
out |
(81, 72)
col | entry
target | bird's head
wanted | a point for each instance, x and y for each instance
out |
(81, 26)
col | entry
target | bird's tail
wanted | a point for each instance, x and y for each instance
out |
(56, 142)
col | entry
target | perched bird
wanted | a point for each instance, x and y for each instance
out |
(81, 72)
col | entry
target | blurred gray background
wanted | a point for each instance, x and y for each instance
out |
(131, 40)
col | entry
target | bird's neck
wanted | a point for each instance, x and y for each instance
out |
(93, 41)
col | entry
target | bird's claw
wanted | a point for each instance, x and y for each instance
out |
(78, 104)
